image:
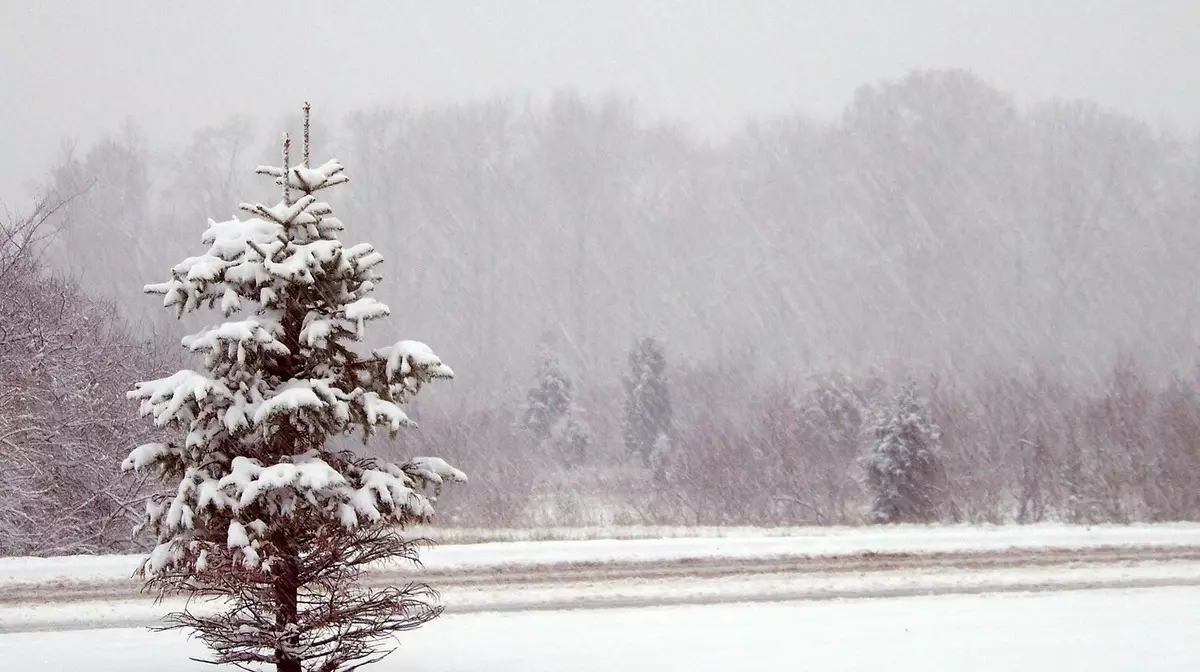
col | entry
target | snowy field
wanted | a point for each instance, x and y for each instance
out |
(1149, 630)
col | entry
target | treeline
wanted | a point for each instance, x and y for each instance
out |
(1002, 256)
(935, 225)
(1019, 447)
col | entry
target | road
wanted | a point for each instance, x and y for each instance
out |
(692, 581)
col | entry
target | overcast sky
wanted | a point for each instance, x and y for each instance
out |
(77, 69)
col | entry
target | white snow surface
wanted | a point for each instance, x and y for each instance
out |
(760, 588)
(823, 542)
(1149, 630)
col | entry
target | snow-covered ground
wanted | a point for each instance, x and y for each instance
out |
(799, 542)
(473, 535)
(1148, 630)
(88, 593)
(999, 598)
(586, 592)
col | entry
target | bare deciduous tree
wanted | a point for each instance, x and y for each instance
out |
(64, 359)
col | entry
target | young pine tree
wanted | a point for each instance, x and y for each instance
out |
(903, 463)
(549, 400)
(647, 403)
(552, 418)
(262, 513)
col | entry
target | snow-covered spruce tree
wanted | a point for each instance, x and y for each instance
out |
(903, 463)
(549, 399)
(262, 513)
(647, 402)
(552, 418)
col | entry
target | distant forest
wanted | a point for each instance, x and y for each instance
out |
(1030, 270)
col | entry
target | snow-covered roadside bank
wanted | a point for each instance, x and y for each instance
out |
(445, 535)
(740, 543)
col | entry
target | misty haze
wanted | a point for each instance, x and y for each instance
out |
(775, 315)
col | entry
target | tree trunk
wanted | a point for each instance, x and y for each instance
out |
(286, 608)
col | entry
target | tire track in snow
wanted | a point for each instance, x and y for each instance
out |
(522, 576)
(617, 601)
(821, 594)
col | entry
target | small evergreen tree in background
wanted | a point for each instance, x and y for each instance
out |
(263, 514)
(549, 400)
(903, 462)
(647, 404)
(552, 418)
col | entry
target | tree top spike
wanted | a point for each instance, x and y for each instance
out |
(307, 114)
(287, 145)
